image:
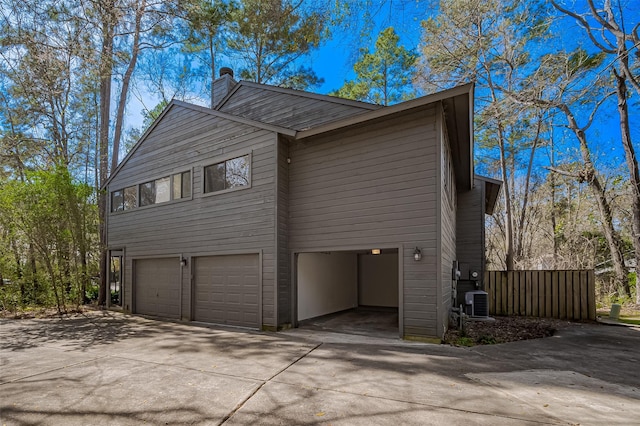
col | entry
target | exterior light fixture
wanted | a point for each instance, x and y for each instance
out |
(183, 261)
(417, 254)
(375, 251)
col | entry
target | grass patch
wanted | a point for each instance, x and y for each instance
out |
(635, 320)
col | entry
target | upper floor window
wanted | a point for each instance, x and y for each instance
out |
(181, 187)
(157, 191)
(124, 199)
(233, 173)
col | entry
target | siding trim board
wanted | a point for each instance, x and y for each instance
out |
(438, 217)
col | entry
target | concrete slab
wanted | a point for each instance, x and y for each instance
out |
(109, 368)
(428, 375)
(118, 391)
(570, 396)
(283, 404)
(33, 361)
(238, 353)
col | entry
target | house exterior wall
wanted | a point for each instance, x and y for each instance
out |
(470, 230)
(234, 222)
(448, 232)
(283, 262)
(374, 186)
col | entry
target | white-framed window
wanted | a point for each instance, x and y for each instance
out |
(228, 174)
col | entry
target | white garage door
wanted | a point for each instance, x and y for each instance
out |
(157, 287)
(226, 290)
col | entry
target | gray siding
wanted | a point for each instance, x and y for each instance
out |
(239, 221)
(294, 110)
(447, 240)
(370, 187)
(283, 259)
(470, 229)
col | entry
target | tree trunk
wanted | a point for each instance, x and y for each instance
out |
(520, 251)
(590, 176)
(509, 258)
(106, 70)
(632, 165)
(126, 80)
(213, 69)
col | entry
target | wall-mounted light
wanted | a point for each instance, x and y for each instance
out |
(183, 261)
(417, 254)
(375, 251)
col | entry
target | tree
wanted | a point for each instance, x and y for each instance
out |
(207, 21)
(491, 43)
(384, 76)
(272, 36)
(605, 27)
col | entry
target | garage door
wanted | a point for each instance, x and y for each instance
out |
(226, 290)
(157, 287)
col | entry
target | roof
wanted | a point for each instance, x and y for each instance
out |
(301, 115)
(293, 109)
(491, 191)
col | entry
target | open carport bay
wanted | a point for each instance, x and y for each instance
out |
(339, 288)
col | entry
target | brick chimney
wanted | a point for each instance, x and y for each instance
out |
(222, 86)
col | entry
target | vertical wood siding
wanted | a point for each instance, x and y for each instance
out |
(546, 294)
(370, 187)
(232, 222)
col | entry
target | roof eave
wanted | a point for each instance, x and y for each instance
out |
(491, 192)
(385, 111)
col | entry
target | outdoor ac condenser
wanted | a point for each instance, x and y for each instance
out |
(477, 303)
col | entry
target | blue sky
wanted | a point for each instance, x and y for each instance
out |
(334, 62)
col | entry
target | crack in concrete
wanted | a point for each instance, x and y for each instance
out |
(264, 382)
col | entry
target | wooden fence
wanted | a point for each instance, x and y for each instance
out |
(546, 294)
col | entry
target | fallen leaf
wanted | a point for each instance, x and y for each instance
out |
(320, 414)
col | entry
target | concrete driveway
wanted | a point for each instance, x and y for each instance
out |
(107, 368)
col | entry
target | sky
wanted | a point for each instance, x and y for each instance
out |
(334, 60)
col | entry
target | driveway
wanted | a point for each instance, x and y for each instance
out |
(108, 368)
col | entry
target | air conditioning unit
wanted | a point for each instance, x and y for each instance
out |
(477, 303)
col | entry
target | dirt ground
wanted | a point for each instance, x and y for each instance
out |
(505, 329)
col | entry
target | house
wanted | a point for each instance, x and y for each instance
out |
(278, 205)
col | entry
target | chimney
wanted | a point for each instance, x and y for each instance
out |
(222, 86)
(226, 70)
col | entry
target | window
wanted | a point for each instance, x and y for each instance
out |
(157, 191)
(163, 192)
(181, 185)
(234, 173)
(131, 197)
(117, 201)
(124, 199)
(147, 193)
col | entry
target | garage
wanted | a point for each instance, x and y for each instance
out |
(226, 290)
(157, 287)
(349, 291)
